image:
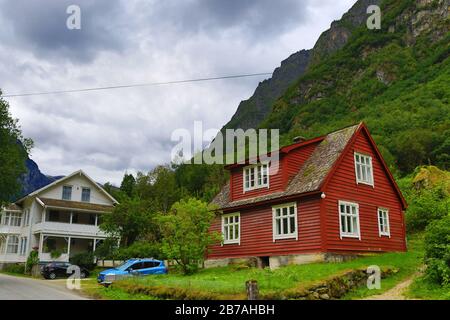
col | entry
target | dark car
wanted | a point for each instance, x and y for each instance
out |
(55, 270)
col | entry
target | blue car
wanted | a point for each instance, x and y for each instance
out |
(132, 267)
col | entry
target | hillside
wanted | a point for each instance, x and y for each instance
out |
(395, 79)
(250, 113)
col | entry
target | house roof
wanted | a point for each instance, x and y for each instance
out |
(54, 203)
(311, 175)
(79, 172)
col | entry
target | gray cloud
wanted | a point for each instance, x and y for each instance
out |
(108, 132)
(41, 27)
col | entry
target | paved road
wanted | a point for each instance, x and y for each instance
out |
(20, 288)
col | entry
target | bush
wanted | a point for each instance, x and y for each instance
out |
(437, 251)
(15, 268)
(32, 260)
(140, 249)
(426, 206)
(85, 260)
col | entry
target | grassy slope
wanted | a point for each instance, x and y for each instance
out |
(230, 281)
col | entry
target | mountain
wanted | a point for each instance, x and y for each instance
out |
(395, 79)
(34, 179)
(252, 111)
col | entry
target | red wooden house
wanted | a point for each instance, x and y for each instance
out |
(332, 196)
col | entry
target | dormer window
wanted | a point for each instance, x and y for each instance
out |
(256, 176)
(363, 169)
(67, 193)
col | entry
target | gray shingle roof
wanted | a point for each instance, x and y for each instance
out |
(310, 176)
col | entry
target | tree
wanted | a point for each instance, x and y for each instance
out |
(130, 220)
(13, 154)
(128, 184)
(186, 236)
(158, 188)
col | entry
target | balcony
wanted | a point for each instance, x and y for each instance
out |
(68, 229)
(10, 229)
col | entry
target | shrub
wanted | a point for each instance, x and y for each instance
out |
(426, 206)
(55, 254)
(437, 251)
(85, 260)
(140, 249)
(32, 260)
(15, 268)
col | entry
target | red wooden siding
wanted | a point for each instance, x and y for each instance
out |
(237, 176)
(257, 233)
(343, 186)
(289, 166)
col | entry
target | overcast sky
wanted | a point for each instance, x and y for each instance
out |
(108, 132)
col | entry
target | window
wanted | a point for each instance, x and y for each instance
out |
(67, 193)
(13, 244)
(137, 266)
(256, 176)
(383, 222)
(86, 195)
(363, 168)
(285, 221)
(26, 218)
(231, 228)
(349, 219)
(23, 246)
(150, 264)
(13, 219)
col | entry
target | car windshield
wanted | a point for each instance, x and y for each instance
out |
(125, 265)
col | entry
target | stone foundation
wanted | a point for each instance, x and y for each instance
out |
(275, 262)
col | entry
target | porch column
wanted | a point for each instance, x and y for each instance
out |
(68, 247)
(94, 245)
(71, 217)
(41, 244)
(96, 220)
(44, 213)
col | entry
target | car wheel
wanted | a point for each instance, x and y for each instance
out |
(82, 275)
(52, 276)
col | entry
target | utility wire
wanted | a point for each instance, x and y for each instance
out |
(135, 85)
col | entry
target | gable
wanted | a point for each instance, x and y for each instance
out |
(344, 173)
(77, 182)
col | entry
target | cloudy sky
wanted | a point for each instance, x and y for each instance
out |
(124, 42)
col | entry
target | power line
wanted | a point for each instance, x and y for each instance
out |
(149, 84)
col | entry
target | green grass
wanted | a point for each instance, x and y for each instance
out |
(231, 280)
(423, 289)
(91, 288)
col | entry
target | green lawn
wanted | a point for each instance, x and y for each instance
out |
(230, 281)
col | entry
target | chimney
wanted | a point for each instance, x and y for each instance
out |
(298, 139)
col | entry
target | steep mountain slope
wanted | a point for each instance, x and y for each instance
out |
(251, 112)
(395, 79)
(34, 179)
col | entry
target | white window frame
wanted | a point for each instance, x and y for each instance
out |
(23, 246)
(275, 218)
(71, 192)
(345, 234)
(386, 231)
(234, 225)
(15, 244)
(26, 218)
(82, 190)
(258, 182)
(364, 167)
(10, 216)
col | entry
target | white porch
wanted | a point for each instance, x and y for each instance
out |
(64, 245)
